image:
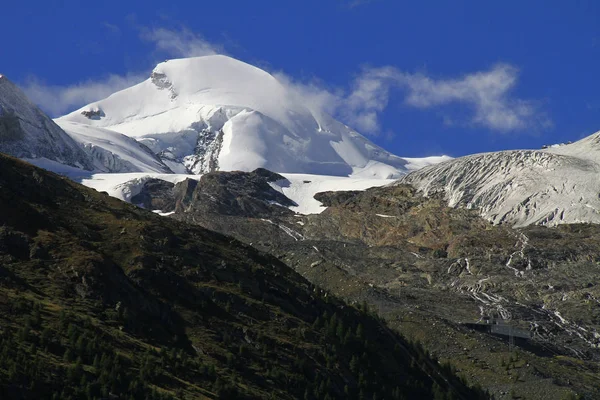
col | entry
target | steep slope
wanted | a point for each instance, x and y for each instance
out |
(26, 132)
(113, 152)
(101, 299)
(522, 187)
(217, 113)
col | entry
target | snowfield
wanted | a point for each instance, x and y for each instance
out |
(301, 188)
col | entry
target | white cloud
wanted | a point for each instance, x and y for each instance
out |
(181, 43)
(313, 95)
(486, 94)
(368, 98)
(359, 107)
(56, 100)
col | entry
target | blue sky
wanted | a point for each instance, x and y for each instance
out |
(419, 78)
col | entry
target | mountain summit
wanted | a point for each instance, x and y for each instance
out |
(216, 113)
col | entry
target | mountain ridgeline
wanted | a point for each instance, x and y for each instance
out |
(102, 299)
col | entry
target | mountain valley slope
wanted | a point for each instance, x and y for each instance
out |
(100, 299)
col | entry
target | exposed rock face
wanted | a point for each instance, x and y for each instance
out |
(242, 194)
(26, 132)
(93, 113)
(161, 81)
(206, 154)
(156, 194)
(329, 199)
(183, 193)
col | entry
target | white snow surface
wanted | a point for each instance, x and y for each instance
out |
(217, 113)
(301, 188)
(521, 187)
(113, 152)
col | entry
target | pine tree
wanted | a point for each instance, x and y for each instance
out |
(360, 331)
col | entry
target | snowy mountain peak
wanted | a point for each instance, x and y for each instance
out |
(217, 113)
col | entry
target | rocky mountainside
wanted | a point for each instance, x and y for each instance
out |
(26, 132)
(216, 113)
(551, 186)
(436, 273)
(102, 299)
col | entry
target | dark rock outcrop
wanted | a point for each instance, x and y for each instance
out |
(156, 194)
(241, 194)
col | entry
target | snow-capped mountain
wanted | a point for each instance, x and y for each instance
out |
(26, 132)
(217, 113)
(551, 186)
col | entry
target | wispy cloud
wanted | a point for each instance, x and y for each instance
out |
(313, 94)
(180, 43)
(368, 98)
(112, 29)
(487, 95)
(56, 100)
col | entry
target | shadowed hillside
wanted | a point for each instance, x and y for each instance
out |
(101, 299)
